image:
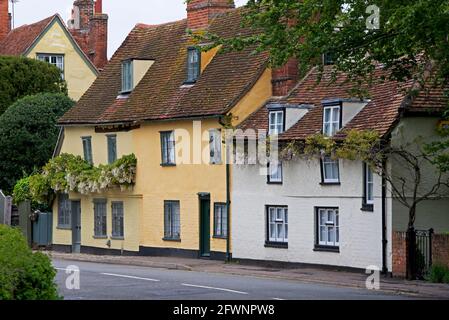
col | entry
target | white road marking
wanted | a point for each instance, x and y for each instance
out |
(129, 277)
(213, 288)
(278, 299)
(61, 269)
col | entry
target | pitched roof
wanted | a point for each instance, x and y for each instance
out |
(20, 39)
(161, 94)
(384, 105)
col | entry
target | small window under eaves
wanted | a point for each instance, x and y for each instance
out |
(193, 65)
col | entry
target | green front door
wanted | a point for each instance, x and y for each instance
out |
(205, 227)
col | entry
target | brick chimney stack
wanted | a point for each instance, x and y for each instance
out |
(89, 26)
(285, 78)
(201, 12)
(5, 19)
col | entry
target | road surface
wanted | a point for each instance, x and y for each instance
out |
(110, 282)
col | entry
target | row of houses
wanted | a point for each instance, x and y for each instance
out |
(159, 91)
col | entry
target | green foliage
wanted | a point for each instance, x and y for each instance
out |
(361, 145)
(28, 135)
(439, 274)
(319, 144)
(24, 275)
(20, 77)
(70, 173)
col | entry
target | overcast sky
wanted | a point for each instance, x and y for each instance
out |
(123, 15)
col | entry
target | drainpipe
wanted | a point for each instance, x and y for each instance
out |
(384, 219)
(228, 196)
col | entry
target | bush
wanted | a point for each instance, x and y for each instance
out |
(24, 275)
(28, 135)
(20, 77)
(439, 274)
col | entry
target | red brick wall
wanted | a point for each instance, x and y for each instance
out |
(5, 21)
(399, 254)
(440, 252)
(440, 249)
(98, 40)
(201, 12)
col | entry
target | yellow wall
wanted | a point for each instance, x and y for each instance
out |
(181, 183)
(140, 69)
(77, 73)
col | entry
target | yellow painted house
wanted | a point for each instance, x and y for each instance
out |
(166, 102)
(49, 40)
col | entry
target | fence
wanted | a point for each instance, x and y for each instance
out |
(5, 209)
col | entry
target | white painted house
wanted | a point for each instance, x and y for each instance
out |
(320, 211)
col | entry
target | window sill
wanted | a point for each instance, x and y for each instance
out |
(367, 208)
(171, 240)
(275, 183)
(216, 163)
(190, 83)
(220, 237)
(319, 248)
(330, 183)
(100, 237)
(117, 238)
(66, 228)
(276, 245)
(168, 165)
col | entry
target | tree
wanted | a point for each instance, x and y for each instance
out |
(403, 35)
(20, 77)
(28, 135)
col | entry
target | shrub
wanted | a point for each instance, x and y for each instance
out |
(439, 274)
(28, 135)
(24, 275)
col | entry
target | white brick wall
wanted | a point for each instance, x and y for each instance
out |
(360, 232)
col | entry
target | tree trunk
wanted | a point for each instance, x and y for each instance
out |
(411, 245)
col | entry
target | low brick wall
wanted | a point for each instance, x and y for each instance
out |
(440, 249)
(440, 252)
(399, 254)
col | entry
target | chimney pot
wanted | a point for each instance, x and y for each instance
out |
(98, 6)
(200, 13)
(5, 19)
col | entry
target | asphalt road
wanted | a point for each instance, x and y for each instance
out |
(117, 282)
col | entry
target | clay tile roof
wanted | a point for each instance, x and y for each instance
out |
(20, 39)
(380, 113)
(161, 94)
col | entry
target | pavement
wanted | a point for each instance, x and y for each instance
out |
(392, 287)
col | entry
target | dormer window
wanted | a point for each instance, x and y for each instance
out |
(276, 125)
(331, 120)
(328, 59)
(193, 65)
(127, 76)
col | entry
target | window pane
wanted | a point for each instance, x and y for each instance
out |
(323, 237)
(280, 231)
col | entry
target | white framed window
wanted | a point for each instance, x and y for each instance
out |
(330, 170)
(168, 148)
(369, 185)
(276, 122)
(331, 120)
(127, 76)
(64, 211)
(172, 220)
(54, 59)
(215, 146)
(87, 149)
(277, 224)
(100, 217)
(275, 172)
(328, 224)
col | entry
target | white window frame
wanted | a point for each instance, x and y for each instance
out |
(45, 57)
(215, 146)
(276, 122)
(275, 172)
(118, 219)
(193, 65)
(369, 182)
(328, 227)
(331, 125)
(277, 218)
(172, 220)
(334, 165)
(220, 220)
